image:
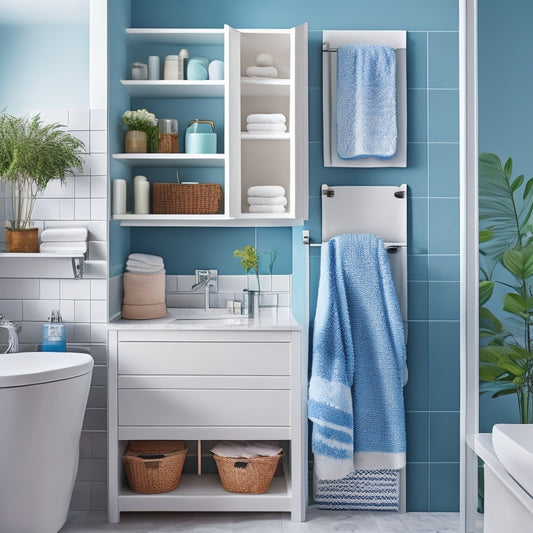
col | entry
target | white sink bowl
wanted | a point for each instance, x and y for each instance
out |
(216, 314)
(513, 444)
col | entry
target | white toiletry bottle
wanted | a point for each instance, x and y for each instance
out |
(54, 334)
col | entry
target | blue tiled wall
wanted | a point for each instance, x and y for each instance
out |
(505, 118)
(432, 175)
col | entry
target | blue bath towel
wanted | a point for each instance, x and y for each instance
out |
(366, 101)
(358, 359)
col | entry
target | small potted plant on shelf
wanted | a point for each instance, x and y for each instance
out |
(32, 154)
(142, 135)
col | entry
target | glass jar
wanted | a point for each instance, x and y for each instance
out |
(168, 136)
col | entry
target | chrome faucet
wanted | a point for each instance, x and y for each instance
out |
(12, 331)
(208, 280)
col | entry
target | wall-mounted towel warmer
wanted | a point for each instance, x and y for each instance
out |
(332, 39)
(379, 210)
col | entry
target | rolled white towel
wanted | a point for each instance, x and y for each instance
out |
(264, 59)
(266, 209)
(266, 190)
(152, 260)
(263, 127)
(74, 234)
(262, 72)
(63, 247)
(267, 200)
(267, 118)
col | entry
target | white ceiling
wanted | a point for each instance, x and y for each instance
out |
(43, 11)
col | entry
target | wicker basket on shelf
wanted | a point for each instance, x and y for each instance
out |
(247, 476)
(186, 199)
(154, 466)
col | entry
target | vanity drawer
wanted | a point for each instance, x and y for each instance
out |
(206, 358)
(169, 407)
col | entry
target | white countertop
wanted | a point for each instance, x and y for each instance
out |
(269, 318)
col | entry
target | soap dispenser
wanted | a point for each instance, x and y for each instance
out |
(54, 334)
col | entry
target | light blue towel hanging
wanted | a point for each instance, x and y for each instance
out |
(358, 359)
(366, 101)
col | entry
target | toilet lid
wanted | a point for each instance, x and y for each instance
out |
(29, 368)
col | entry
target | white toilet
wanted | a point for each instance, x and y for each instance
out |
(508, 457)
(42, 403)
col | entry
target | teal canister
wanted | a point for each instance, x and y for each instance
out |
(200, 137)
(54, 334)
(198, 68)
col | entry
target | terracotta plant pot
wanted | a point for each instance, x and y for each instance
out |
(22, 240)
(136, 142)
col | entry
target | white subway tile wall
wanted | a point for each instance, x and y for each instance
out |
(30, 288)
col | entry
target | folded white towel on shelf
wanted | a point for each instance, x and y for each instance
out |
(135, 263)
(262, 127)
(267, 200)
(63, 247)
(262, 72)
(246, 449)
(266, 190)
(266, 209)
(145, 270)
(151, 260)
(266, 118)
(74, 234)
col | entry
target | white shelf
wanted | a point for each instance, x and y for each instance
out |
(185, 36)
(205, 493)
(174, 89)
(172, 160)
(265, 87)
(246, 136)
(77, 261)
(42, 256)
(259, 219)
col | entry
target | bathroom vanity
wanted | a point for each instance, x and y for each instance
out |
(230, 378)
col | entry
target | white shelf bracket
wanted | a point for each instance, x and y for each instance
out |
(77, 267)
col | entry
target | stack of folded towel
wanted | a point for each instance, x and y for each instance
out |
(263, 68)
(266, 199)
(64, 240)
(145, 264)
(144, 287)
(266, 123)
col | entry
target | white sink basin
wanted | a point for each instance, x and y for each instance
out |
(513, 444)
(219, 314)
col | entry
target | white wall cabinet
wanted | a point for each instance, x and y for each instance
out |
(247, 159)
(211, 385)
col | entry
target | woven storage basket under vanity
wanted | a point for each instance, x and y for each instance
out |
(186, 199)
(248, 476)
(154, 466)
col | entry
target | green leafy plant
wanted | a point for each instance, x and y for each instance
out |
(272, 256)
(506, 262)
(143, 120)
(249, 260)
(31, 155)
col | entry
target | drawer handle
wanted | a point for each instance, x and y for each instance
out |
(152, 456)
(240, 464)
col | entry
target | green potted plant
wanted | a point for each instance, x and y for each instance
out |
(506, 264)
(143, 134)
(249, 261)
(31, 155)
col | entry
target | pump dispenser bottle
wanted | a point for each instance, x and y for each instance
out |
(54, 335)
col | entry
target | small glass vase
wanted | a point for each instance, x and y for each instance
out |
(136, 142)
(525, 404)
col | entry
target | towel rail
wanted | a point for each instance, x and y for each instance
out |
(326, 48)
(391, 247)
